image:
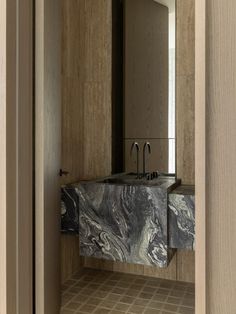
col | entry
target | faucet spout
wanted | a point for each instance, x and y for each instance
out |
(136, 145)
(146, 147)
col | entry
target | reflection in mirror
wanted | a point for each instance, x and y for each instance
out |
(149, 83)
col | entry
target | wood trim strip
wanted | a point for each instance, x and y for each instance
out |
(3, 101)
(200, 156)
(25, 157)
(16, 157)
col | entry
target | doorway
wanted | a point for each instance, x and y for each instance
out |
(48, 150)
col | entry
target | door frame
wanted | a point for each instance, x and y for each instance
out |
(16, 157)
(16, 125)
(200, 155)
(47, 156)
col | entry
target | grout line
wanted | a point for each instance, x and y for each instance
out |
(134, 280)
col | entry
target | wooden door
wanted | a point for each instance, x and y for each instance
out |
(47, 156)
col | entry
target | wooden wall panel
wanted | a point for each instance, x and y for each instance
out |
(185, 117)
(71, 261)
(86, 102)
(157, 160)
(86, 92)
(220, 156)
(185, 265)
(3, 157)
(185, 85)
(200, 153)
(47, 155)
(16, 157)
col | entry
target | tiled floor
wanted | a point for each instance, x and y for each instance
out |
(102, 292)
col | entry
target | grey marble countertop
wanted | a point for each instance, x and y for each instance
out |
(184, 190)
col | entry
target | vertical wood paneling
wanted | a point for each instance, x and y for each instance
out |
(11, 155)
(220, 156)
(71, 261)
(3, 100)
(47, 156)
(200, 153)
(86, 92)
(16, 79)
(185, 117)
(185, 85)
(86, 103)
(157, 160)
(25, 158)
(186, 265)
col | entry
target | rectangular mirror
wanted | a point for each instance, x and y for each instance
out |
(149, 83)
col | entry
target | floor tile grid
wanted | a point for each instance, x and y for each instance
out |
(104, 292)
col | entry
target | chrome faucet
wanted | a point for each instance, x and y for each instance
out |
(148, 146)
(136, 145)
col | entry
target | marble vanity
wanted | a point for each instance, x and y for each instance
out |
(181, 207)
(131, 220)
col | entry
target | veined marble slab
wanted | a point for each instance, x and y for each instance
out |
(182, 218)
(69, 210)
(125, 222)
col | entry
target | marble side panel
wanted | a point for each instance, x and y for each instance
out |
(69, 210)
(182, 218)
(126, 223)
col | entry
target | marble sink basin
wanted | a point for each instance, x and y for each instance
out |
(163, 180)
(125, 219)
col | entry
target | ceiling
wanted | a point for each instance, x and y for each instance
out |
(169, 3)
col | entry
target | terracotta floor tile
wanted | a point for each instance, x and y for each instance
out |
(156, 305)
(99, 292)
(173, 300)
(73, 305)
(141, 302)
(122, 307)
(107, 304)
(170, 308)
(136, 309)
(127, 300)
(113, 297)
(94, 301)
(86, 308)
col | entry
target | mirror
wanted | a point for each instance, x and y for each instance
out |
(149, 83)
